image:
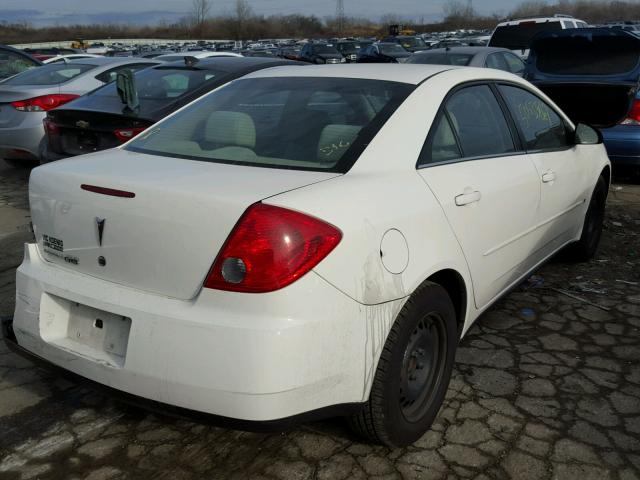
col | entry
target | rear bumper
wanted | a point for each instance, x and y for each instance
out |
(26, 137)
(6, 331)
(623, 144)
(249, 357)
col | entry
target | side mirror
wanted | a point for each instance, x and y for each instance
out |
(587, 135)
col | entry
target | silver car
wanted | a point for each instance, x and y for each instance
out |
(25, 99)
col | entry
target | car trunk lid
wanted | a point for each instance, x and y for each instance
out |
(591, 73)
(162, 240)
(78, 132)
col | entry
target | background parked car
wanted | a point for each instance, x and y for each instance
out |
(289, 53)
(409, 43)
(320, 53)
(517, 34)
(13, 61)
(66, 58)
(383, 53)
(99, 119)
(25, 98)
(172, 57)
(43, 54)
(349, 50)
(593, 74)
(488, 57)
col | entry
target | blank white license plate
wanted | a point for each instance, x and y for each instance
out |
(99, 330)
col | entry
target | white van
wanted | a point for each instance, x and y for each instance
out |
(516, 34)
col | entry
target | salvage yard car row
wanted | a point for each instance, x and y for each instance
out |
(294, 241)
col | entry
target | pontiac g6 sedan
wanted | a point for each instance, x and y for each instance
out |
(306, 242)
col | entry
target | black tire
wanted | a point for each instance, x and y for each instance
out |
(413, 372)
(585, 248)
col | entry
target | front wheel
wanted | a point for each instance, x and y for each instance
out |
(585, 248)
(413, 372)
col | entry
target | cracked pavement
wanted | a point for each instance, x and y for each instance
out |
(546, 386)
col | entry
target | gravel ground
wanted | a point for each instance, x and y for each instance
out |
(547, 385)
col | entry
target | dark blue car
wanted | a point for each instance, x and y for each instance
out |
(593, 74)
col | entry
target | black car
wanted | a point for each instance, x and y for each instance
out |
(289, 52)
(349, 50)
(321, 53)
(409, 43)
(13, 61)
(383, 53)
(100, 120)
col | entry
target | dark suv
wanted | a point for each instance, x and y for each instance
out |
(321, 53)
(349, 50)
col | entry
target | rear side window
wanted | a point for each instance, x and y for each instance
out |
(442, 146)
(515, 64)
(479, 123)
(541, 127)
(320, 124)
(496, 60)
(53, 74)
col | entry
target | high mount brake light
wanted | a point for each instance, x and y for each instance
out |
(43, 103)
(269, 248)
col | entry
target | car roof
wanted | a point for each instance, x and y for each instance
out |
(111, 60)
(230, 63)
(404, 73)
(464, 50)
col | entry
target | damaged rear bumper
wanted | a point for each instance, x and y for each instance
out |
(295, 353)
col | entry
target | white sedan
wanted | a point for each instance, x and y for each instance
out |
(306, 242)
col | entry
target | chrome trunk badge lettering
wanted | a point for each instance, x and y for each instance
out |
(100, 225)
(82, 124)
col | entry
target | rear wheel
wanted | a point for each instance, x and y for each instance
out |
(413, 372)
(585, 248)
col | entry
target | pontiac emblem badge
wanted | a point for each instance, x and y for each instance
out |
(100, 225)
(82, 124)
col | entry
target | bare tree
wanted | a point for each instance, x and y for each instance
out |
(200, 12)
(243, 13)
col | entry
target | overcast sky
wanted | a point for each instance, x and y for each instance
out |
(150, 11)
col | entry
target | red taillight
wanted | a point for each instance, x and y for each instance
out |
(50, 126)
(43, 103)
(270, 248)
(633, 118)
(126, 134)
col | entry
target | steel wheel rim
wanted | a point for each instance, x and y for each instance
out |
(422, 366)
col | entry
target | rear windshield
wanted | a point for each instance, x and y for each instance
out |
(171, 58)
(391, 49)
(588, 54)
(320, 124)
(156, 87)
(459, 59)
(324, 49)
(52, 74)
(518, 37)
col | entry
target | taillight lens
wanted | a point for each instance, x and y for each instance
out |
(269, 248)
(126, 134)
(633, 118)
(50, 126)
(43, 103)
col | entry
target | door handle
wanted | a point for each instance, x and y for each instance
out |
(467, 198)
(548, 176)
